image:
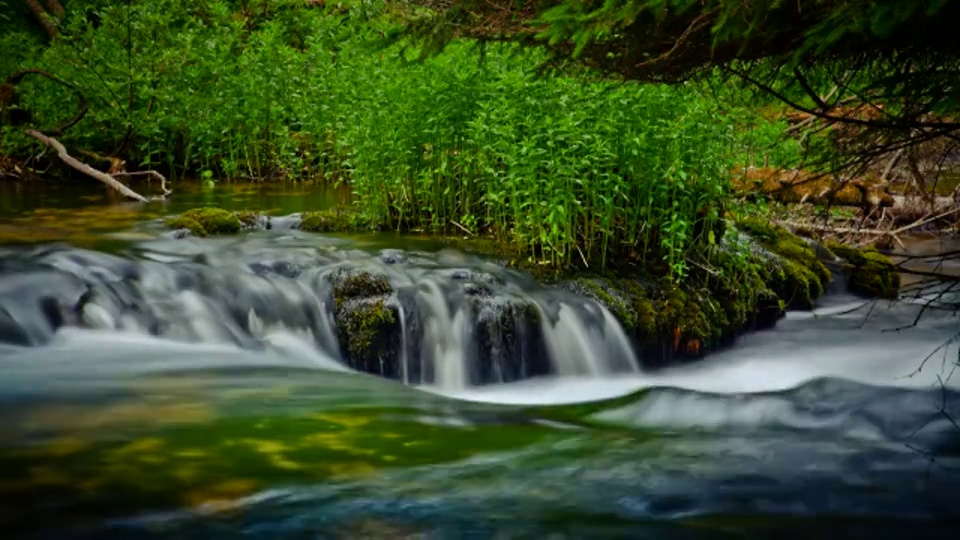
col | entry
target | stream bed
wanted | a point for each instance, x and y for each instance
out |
(166, 410)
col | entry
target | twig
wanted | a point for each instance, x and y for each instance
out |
(151, 173)
(84, 168)
(922, 222)
(582, 258)
(461, 227)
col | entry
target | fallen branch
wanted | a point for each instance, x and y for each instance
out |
(894, 233)
(152, 174)
(84, 168)
(461, 227)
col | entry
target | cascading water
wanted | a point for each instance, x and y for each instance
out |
(447, 320)
(208, 388)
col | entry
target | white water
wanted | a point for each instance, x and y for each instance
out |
(804, 347)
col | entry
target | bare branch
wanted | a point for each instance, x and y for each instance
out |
(84, 168)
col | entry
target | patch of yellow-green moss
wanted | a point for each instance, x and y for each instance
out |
(334, 220)
(206, 221)
(798, 276)
(190, 224)
(868, 271)
(690, 320)
(215, 220)
(361, 326)
(364, 318)
(359, 285)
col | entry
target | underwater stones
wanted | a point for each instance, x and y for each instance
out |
(869, 273)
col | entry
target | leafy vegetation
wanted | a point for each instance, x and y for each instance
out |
(569, 172)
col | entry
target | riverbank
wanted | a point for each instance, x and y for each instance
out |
(744, 283)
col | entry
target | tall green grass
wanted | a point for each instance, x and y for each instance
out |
(568, 171)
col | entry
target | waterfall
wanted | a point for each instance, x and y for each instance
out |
(436, 319)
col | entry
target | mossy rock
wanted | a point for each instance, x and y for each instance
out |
(334, 220)
(869, 272)
(349, 285)
(207, 221)
(664, 320)
(368, 328)
(190, 224)
(796, 274)
(250, 220)
(368, 331)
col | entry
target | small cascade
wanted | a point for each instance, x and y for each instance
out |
(439, 319)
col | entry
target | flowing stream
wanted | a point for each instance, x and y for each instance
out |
(195, 388)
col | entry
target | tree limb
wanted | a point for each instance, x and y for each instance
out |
(84, 168)
(47, 21)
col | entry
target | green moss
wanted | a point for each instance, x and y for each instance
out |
(797, 276)
(363, 325)
(248, 219)
(869, 272)
(334, 220)
(359, 285)
(184, 222)
(214, 220)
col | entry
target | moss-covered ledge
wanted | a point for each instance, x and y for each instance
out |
(869, 273)
(209, 221)
(213, 221)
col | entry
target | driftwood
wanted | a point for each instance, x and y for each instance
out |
(151, 174)
(107, 179)
(890, 234)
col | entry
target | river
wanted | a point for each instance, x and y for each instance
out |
(162, 413)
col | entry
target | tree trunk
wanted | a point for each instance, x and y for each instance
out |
(55, 8)
(47, 21)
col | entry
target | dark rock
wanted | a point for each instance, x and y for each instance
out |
(369, 332)
(393, 256)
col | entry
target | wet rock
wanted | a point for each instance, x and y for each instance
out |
(393, 256)
(369, 332)
(509, 342)
(868, 272)
(253, 221)
(208, 221)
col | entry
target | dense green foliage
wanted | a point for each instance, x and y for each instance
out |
(899, 47)
(886, 68)
(567, 171)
